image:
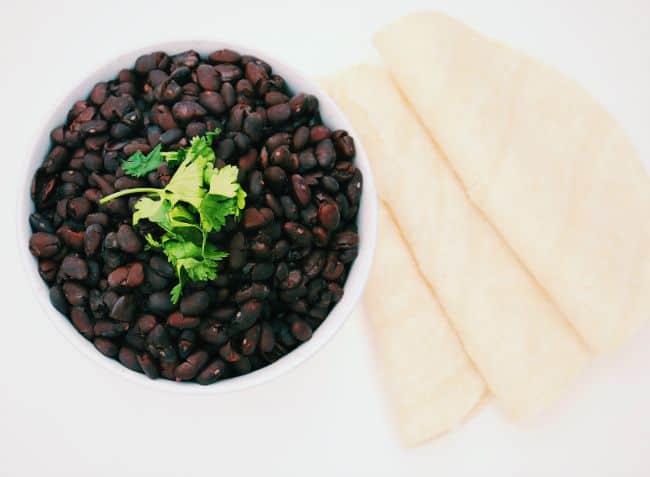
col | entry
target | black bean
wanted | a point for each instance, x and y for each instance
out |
(163, 117)
(256, 218)
(106, 347)
(262, 271)
(181, 321)
(48, 270)
(298, 234)
(325, 154)
(94, 273)
(99, 93)
(185, 111)
(208, 78)
(228, 94)
(289, 207)
(212, 331)
(42, 244)
(279, 114)
(343, 171)
(82, 322)
(93, 238)
(129, 358)
(212, 372)
(40, 223)
(213, 102)
(109, 328)
(353, 188)
(195, 304)
(250, 340)
(224, 56)
(246, 316)
(228, 353)
(346, 240)
(294, 278)
(300, 138)
(160, 303)
(171, 136)
(256, 73)
(319, 133)
(307, 160)
(124, 308)
(237, 257)
(161, 266)
(301, 330)
(74, 268)
(97, 126)
(130, 276)
(191, 366)
(78, 208)
(300, 190)
(229, 72)
(194, 129)
(328, 215)
(260, 247)
(56, 160)
(334, 268)
(155, 281)
(276, 179)
(349, 255)
(253, 126)
(75, 293)
(128, 240)
(277, 140)
(58, 299)
(186, 343)
(309, 215)
(148, 365)
(189, 59)
(282, 157)
(303, 104)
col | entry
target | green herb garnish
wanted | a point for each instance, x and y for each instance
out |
(196, 201)
(139, 165)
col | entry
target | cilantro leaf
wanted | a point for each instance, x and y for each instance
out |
(241, 200)
(213, 212)
(187, 183)
(139, 165)
(156, 211)
(224, 181)
(175, 293)
(152, 242)
(192, 262)
(173, 158)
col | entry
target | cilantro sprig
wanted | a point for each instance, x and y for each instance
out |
(195, 202)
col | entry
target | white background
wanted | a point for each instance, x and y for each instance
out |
(62, 415)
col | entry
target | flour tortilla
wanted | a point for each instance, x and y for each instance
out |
(521, 345)
(546, 163)
(431, 382)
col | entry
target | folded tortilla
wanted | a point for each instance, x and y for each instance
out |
(431, 382)
(524, 349)
(549, 167)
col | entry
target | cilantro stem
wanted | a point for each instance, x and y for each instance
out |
(135, 190)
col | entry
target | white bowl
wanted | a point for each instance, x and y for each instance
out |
(367, 223)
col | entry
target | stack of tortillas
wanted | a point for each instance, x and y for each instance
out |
(515, 227)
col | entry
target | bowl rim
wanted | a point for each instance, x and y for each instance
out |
(367, 221)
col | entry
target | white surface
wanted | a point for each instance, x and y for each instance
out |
(353, 288)
(62, 415)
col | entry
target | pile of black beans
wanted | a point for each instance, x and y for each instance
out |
(290, 253)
